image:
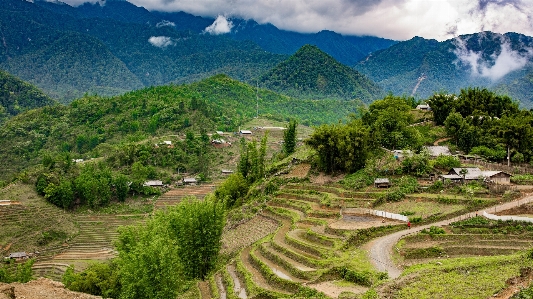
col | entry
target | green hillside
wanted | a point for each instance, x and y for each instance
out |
(89, 126)
(311, 73)
(73, 65)
(17, 96)
(67, 55)
(421, 67)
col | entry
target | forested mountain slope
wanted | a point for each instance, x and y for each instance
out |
(421, 67)
(17, 96)
(115, 47)
(92, 125)
(313, 74)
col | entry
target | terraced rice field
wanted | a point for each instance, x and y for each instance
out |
(304, 247)
(174, 196)
(93, 243)
(97, 233)
(475, 236)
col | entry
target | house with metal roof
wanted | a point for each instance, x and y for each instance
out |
(382, 183)
(438, 150)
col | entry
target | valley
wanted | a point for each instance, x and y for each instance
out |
(150, 154)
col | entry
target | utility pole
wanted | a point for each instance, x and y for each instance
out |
(508, 157)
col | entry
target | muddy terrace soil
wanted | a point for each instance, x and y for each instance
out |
(41, 288)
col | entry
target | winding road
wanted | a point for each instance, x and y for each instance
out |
(380, 250)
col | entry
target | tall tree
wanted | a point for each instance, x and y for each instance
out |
(197, 227)
(289, 137)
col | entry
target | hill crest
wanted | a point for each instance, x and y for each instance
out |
(312, 73)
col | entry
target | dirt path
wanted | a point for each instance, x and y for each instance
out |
(220, 286)
(205, 292)
(238, 287)
(380, 250)
(441, 140)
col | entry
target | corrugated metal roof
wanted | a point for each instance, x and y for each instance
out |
(438, 150)
(18, 255)
(473, 173)
(381, 181)
(153, 183)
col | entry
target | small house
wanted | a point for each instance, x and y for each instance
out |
(468, 173)
(400, 154)
(154, 183)
(382, 183)
(451, 177)
(190, 181)
(423, 107)
(438, 150)
(227, 171)
(18, 256)
(498, 177)
(474, 173)
(245, 132)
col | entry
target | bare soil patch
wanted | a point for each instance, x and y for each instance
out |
(333, 290)
(247, 233)
(204, 290)
(361, 221)
(523, 210)
(299, 171)
(322, 179)
(41, 288)
(516, 284)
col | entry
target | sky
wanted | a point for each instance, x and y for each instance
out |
(394, 19)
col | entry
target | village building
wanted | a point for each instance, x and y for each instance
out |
(245, 132)
(18, 256)
(382, 183)
(227, 171)
(190, 181)
(153, 183)
(438, 150)
(400, 154)
(423, 107)
(474, 173)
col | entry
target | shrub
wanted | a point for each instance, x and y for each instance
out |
(434, 230)
(415, 219)
(446, 162)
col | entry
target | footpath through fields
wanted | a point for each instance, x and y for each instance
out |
(380, 249)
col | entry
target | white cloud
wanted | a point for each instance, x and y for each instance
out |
(396, 19)
(161, 41)
(165, 23)
(220, 26)
(500, 65)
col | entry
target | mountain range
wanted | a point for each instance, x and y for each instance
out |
(420, 67)
(112, 47)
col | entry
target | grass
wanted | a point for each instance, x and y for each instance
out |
(137, 205)
(420, 209)
(34, 224)
(461, 278)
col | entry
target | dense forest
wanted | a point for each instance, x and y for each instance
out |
(311, 73)
(17, 96)
(420, 67)
(93, 125)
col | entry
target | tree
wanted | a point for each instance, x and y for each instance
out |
(389, 120)
(232, 190)
(149, 264)
(197, 227)
(341, 147)
(289, 137)
(252, 160)
(442, 105)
